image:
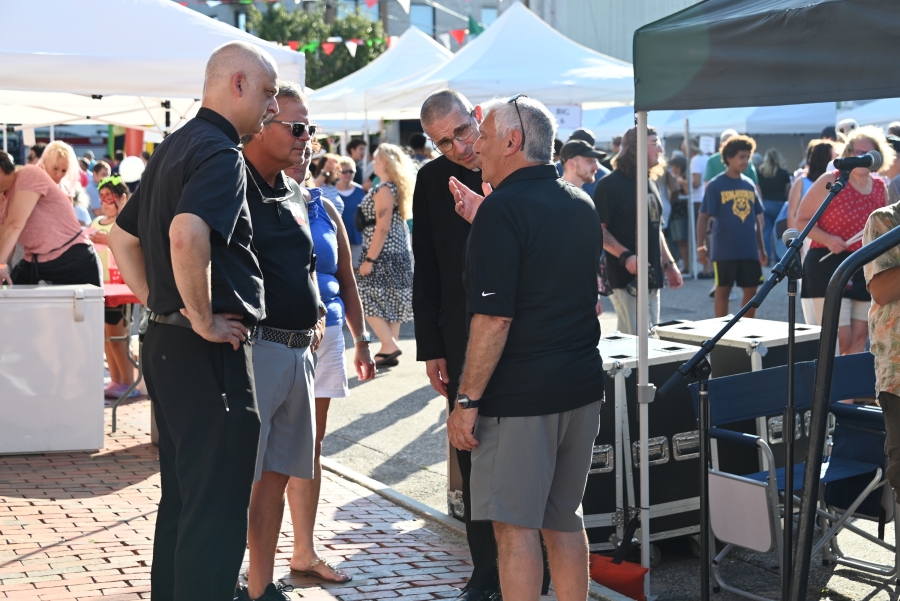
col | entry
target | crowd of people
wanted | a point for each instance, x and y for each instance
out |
(253, 247)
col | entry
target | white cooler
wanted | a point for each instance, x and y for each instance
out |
(51, 368)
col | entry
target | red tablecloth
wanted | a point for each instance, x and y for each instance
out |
(117, 295)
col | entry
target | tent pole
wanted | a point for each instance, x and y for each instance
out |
(366, 138)
(52, 134)
(5, 147)
(346, 139)
(646, 391)
(692, 222)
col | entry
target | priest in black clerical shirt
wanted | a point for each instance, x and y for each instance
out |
(439, 299)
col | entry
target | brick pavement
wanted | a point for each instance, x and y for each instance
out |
(80, 525)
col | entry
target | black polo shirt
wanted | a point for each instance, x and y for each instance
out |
(533, 255)
(200, 170)
(284, 247)
(616, 200)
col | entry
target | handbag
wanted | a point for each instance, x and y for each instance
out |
(359, 220)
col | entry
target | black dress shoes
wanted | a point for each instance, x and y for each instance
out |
(471, 594)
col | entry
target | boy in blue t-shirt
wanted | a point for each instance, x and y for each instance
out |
(738, 250)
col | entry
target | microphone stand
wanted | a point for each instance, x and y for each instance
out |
(693, 367)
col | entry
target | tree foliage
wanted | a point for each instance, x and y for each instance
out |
(279, 25)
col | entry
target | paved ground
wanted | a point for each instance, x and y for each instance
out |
(392, 429)
(80, 525)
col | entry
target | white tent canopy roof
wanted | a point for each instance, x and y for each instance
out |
(519, 53)
(414, 52)
(37, 109)
(880, 112)
(128, 57)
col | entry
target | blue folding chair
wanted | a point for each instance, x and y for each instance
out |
(746, 509)
(859, 435)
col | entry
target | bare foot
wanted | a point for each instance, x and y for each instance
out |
(322, 569)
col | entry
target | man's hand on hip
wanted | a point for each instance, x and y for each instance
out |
(225, 327)
(461, 427)
(437, 373)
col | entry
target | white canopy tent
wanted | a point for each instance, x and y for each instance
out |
(413, 53)
(129, 62)
(519, 53)
(880, 112)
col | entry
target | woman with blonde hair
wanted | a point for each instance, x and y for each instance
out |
(839, 233)
(385, 268)
(61, 164)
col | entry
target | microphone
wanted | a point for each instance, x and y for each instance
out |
(788, 236)
(871, 160)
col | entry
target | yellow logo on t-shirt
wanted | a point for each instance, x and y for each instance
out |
(742, 202)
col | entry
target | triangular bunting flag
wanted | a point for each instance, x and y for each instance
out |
(459, 35)
(328, 47)
(335, 39)
(310, 47)
(404, 4)
(294, 44)
(474, 26)
(444, 39)
(392, 40)
(371, 3)
(351, 48)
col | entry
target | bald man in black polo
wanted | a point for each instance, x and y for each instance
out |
(183, 246)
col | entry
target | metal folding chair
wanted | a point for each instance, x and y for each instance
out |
(746, 509)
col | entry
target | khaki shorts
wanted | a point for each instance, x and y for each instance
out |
(531, 471)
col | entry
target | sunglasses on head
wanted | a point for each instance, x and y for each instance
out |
(298, 128)
(515, 101)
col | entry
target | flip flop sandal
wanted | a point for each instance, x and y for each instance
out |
(341, 576)
(387, 359)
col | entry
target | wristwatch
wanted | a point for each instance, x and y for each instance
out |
(370, 260)
(364, 337)
(465, 402)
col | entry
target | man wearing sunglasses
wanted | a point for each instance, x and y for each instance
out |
(283, 362)
(529, 397)
(439, 299)
(183, 245)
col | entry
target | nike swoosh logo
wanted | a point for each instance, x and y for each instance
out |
(487, 293)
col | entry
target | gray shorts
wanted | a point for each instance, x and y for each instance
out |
(287, 409)
(531, 471)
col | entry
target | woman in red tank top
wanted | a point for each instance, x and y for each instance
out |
(838, 233)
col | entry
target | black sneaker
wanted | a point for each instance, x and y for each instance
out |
(273, 592)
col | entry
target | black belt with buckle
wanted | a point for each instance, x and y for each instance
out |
(172, 319)
(178, 319)
(289, 338)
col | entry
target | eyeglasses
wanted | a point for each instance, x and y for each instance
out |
(515, 101)
(463, 133)
(299, 128)
(114, 180)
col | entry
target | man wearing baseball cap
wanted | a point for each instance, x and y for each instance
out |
(587, 136)
(580, 162)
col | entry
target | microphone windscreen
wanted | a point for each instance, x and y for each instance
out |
(788, 236)
(877, 160)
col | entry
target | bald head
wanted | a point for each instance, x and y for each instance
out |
(240, 85)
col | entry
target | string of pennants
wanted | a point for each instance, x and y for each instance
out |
(331, 43)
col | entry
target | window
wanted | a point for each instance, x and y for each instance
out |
(488, 16)
(349, 7)
(421, 16)
(240, 21)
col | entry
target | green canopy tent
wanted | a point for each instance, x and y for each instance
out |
(728, 53)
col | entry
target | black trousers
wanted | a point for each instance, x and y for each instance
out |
(78, 265)
(479, 534)
(206, 413)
